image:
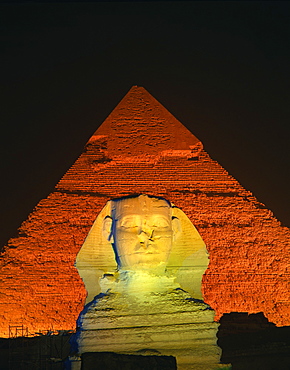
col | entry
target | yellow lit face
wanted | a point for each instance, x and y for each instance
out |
(142, 232)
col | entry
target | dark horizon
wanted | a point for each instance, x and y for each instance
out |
(221, 68)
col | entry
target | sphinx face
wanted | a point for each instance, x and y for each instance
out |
(142, 232)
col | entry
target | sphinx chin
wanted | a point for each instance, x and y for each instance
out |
(149, 260)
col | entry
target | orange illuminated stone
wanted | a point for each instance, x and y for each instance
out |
(141, 148)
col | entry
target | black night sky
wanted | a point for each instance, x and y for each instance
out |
(221, 67)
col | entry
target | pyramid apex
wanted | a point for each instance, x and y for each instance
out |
(141, 125)
(136, 88)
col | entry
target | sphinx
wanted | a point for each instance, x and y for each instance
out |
(142, 265)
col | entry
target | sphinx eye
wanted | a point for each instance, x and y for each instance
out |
(129, 222)
(160, 222)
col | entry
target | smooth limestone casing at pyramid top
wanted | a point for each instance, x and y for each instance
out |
(142, 148)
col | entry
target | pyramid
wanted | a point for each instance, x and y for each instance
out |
(142, 148)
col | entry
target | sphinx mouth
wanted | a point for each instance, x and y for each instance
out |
(145, 252)
(140, 251)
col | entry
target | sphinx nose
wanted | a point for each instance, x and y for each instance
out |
(145, 236)
(146, 230)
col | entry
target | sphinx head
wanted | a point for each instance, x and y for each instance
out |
(141, 230)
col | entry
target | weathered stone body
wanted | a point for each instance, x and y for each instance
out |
(142, 148)
(167, 321)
